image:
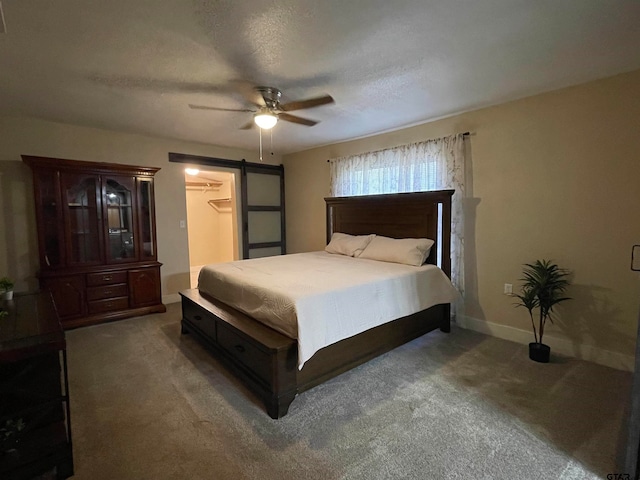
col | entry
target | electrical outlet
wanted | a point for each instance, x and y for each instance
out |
(508, 289)
(183, 224)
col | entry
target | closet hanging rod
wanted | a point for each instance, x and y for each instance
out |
(204, 184)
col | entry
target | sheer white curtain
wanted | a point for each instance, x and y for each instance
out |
(430, 165)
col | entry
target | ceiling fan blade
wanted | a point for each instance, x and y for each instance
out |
(204, 107)
(248, 125)
(293, 119)
(310, 103)
(248, 92)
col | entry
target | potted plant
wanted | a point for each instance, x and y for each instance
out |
(6, 288)
(10, 435)
(544, 284)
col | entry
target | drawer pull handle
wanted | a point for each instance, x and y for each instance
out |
(198, 317)
(106, 278)
(239, 348)
(106, 292)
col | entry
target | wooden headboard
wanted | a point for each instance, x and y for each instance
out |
(398, 215)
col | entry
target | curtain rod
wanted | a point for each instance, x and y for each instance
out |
(464, 134)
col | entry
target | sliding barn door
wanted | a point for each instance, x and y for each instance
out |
(263, 211)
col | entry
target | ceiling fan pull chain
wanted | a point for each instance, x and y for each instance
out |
(271, 140)
(260, 143)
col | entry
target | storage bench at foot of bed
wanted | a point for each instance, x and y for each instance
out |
(265, 360)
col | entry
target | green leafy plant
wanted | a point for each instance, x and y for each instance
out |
(6, 284)
(544, 284)
(10, 433)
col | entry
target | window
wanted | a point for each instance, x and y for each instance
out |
(430, 165)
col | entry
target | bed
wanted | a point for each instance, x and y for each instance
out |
(268, 361)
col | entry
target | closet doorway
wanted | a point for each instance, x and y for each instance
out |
(213, 203)
(256, 197)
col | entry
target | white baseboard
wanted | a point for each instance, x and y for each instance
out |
(561, 345)
(171, 298)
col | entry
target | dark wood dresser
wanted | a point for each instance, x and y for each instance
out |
(35, 428)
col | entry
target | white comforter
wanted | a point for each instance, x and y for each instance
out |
(322, 298)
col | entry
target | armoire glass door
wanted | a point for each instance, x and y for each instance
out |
(83, 218)
(119, 208)
(50, 224)
(146, 215)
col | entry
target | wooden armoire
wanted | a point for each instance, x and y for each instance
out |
(97, 239)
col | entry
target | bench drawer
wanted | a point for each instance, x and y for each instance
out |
(206, 323)
(245, 352)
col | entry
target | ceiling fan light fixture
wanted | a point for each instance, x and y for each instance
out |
(191, 171)
(265, 119)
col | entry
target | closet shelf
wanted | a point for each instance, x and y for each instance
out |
(220, 204)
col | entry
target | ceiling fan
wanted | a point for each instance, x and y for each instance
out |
(269, 109)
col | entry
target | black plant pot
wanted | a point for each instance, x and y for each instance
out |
(539, 352)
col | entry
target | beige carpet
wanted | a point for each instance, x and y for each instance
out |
(148, 403)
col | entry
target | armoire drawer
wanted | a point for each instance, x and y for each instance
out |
(106, 278)
(109, 305)
(107, 291)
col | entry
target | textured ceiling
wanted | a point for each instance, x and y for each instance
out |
(135, 65)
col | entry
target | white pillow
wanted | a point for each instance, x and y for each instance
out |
(345, 244)
(410, 251)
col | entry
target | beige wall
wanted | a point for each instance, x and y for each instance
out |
(551, 176)
(18, 244)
